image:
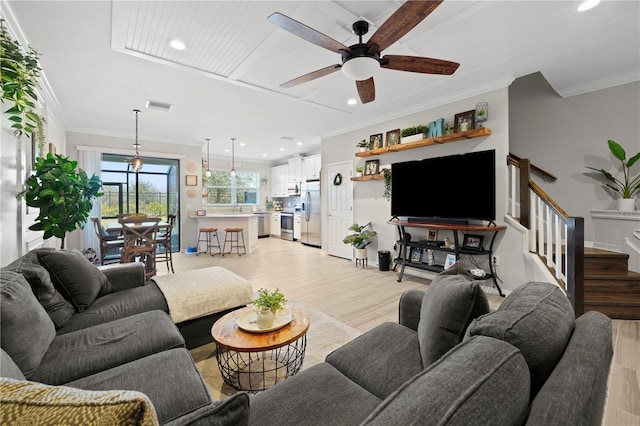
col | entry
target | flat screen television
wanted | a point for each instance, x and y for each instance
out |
(452, 189)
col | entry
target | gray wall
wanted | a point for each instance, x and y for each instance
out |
(563, 136)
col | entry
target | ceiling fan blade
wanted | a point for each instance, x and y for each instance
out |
(306, 33)
(419, 64)
(366, 90)
(410, 14)
(311, 76)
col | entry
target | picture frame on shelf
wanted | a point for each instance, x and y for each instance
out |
(191, 180)
(449, 261)
(372, 167)
(482, 112)
(416, 254)
(393, 137)
(472, 242)
(428, 257)
(375, 141)
(432, 234)
(464, 121)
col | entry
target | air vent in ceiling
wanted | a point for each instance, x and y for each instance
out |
(159, 106)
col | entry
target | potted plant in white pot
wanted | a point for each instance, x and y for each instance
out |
(628, 187)
(268, 303)
(360, 239)
(363, 145)
(415, 133)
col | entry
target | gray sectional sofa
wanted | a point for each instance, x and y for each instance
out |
(451, 361)
(80, 344)
(448, 360)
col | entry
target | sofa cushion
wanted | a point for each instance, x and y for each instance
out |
(482, 381)
(8, 368)
(580, 377)
(538, 319)
(79, 281)
(318, 396)
(27, 330)
(450, 303)
(379, 360)
(117, 305)
(106, 346)
(57, 307)
(36, 403)
(154, 376)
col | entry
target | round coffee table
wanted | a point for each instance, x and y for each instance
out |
(255, 361)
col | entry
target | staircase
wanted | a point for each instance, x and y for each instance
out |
(609, 286)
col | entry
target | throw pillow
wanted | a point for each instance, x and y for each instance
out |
(450, 303)
(79, 281)
(536, 318)
(59, 310)
(27, 330)
(36, 403)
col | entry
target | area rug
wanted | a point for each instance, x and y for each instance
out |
(324, 336)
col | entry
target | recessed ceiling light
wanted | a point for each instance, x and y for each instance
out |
(241, 143)
(160, 106)
(227, 150)
(586, 5)
(281, 149)
(177, 44)
(352, 101)
(299, 144)
(264, 154)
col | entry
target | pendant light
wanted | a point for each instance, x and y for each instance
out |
(233, 157)
(136, 163)
(207, 173)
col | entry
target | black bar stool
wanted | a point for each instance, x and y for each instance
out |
(232, 236)
(209, 234)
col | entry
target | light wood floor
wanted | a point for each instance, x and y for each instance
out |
(365, 298)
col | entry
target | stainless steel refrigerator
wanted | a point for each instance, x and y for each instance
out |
(311, 226)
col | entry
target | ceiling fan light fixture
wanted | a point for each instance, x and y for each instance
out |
(360, 68)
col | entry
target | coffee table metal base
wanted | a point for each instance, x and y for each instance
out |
(257, 371)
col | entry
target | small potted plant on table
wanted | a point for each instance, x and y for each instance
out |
(267, 304)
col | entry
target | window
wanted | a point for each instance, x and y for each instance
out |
(224, 189)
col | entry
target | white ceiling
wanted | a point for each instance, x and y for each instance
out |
(103, 59)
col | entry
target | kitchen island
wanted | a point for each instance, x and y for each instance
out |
(248, 221)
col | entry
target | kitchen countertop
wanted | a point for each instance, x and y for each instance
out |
(222, 215)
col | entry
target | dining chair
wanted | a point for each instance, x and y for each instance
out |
(108, 243)
(140, 242)
(163, 243)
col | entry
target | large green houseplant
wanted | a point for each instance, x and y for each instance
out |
(20, 79)
(361, 237)
(628, 186)
(63, 194)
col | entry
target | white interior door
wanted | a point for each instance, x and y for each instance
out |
(339, 208)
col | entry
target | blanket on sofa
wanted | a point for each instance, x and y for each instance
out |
(201, 292)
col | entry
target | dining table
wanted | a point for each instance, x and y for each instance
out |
(140, 240)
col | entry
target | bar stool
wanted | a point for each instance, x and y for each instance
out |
(231, 236)
(209, 234)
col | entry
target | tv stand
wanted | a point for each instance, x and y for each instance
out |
(405, 259)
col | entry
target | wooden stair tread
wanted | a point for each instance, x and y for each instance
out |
(621, 275)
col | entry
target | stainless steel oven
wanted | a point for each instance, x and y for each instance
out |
(286, 226)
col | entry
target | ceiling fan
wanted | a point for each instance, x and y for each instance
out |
(361, 60)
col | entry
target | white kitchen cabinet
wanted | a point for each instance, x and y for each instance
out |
(275, 224)
(279, 180)
(295, 170)
(312, 166)
(297, 225)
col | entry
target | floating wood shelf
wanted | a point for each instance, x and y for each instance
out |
(454, 137)
(368, 177)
